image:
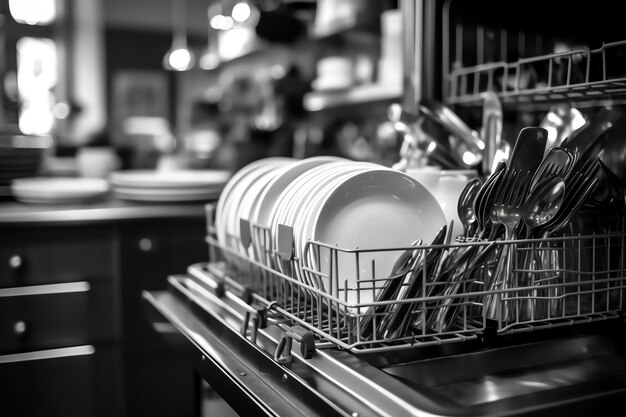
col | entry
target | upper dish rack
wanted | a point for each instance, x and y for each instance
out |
(581, 279)
(535, 74)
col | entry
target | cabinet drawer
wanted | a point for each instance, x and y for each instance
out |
(48, 255)
(55, 315)
(75, 381)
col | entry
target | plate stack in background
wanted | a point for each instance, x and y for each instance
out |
(21, 156)
(169, 186)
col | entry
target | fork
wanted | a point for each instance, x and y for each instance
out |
(509, 214)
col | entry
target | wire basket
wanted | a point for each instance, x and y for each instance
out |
(341, 296)
(524, 68)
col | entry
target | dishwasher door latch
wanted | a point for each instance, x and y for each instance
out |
(300, 335)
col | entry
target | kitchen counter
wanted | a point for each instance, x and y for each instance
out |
(16, 213)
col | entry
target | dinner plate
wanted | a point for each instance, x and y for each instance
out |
(289, 196)
(169, 179)
(376, 209)
(290, 202)
(247, 204)
(232, 182)
(166, 194)
(309, 202)
(228, 232)
(238, 196)
(164, 198)
(61, 190)
(286, 176)
(306, 222)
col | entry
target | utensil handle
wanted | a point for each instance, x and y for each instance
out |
(502, 278)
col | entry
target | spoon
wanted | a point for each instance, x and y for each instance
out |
(465, 205)
(542, 205)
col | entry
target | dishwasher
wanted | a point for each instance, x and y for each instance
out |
(271, 341)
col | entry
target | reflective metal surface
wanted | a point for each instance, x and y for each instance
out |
(563, 371)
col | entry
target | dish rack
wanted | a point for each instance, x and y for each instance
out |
(534, 76)
(583, 282)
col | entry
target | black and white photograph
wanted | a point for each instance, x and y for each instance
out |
(312, 208)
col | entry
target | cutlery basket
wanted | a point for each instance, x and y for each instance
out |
(558, 281)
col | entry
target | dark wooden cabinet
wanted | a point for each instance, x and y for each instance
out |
(73, 337)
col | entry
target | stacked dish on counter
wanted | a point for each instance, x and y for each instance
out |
(169, 186)
(20, 157)
(60, 190)
(285, 204)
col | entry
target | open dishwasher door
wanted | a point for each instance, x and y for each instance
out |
(262, 364)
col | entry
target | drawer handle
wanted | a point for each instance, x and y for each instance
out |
(47, 289)
(48, 354)
(145, 244)
(16, 262)
(19, 328)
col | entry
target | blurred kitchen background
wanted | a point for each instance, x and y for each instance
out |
(217, 84)
(199, 83)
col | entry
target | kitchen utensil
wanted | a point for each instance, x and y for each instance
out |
(509, 214)
(483, 200)
(583, 138)
(454, 124)
(398, 319)
(503, 154)
(579, 185)
(403, 266)
(614, 186)
(542, 205)
(560, 121)
(491, 130)
(448, 309)
(557, 162)
(465, 206)
(613, 150)
(525, 156)
(418, 146)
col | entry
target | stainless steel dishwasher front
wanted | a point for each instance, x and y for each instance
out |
(240, 350)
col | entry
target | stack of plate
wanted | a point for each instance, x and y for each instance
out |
(169, 186)
(330, 200)
(20, 157)
(58, 190)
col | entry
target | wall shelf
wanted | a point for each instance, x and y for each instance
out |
(322, 100)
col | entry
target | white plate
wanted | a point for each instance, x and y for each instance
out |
(232, 182)
(380, 208)
(59, 189)
(167, 193)
(248, 202)
(164, 198)
(286, 176)
(170, 179)
(312, 200)
(238, 196)
(299, 186)
(229, 226)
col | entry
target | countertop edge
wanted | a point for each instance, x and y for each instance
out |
(99, 214)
